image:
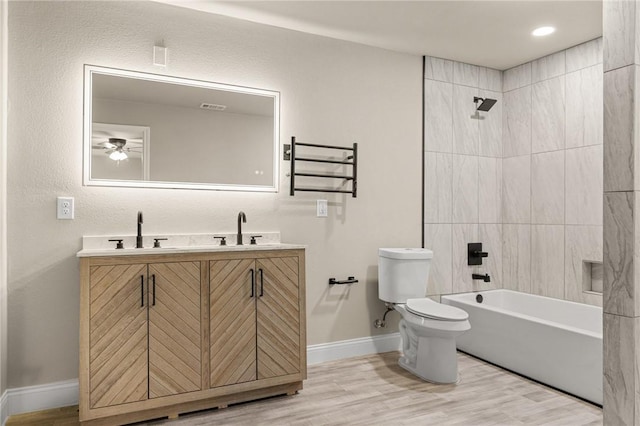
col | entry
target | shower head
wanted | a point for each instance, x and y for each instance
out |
(485, 104)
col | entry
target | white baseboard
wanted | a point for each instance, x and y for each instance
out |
(41, 397)
(355, 347)
(4, 414)
(62, 394)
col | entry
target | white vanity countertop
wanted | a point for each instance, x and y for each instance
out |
(94, 246)
(192, 249)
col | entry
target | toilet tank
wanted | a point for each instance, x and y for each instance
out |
(403, 273)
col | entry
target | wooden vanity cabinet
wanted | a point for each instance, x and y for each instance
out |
(175, 332)
(118, 332)
(255, 319)
(144, 331)
(167, 334)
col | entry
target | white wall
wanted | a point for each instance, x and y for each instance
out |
(331, 91)
(3, 203)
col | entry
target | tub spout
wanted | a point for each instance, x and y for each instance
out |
(486, 278)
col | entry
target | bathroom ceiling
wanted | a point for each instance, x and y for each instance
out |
(495, 34)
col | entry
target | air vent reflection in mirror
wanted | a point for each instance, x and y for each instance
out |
(213, 107)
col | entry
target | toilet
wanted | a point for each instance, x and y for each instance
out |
(428, 329)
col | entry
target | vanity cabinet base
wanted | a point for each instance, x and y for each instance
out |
(154, 332)
(173, 411)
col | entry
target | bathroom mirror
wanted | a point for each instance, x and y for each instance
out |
(148, 130)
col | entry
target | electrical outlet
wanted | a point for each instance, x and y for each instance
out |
(322, 208)
(65, 208)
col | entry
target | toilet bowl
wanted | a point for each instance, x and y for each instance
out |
(428, 329)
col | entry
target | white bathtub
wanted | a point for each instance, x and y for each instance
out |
(553, 341)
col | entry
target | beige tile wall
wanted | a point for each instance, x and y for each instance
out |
(553, 172)
(527, 181)
(463, 174)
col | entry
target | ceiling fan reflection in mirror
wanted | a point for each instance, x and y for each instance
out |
(117, 153)
(118, 149)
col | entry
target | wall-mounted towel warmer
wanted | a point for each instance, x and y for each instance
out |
(349, 160)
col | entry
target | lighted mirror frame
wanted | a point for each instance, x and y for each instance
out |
(90, 70)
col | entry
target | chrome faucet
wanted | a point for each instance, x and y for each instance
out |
(241, 218)
(139, 237)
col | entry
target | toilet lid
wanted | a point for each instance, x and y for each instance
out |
(428, 308)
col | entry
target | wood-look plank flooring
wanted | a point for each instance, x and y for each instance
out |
(374, 390)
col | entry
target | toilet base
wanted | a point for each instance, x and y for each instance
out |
(429, 354)
(402, 362)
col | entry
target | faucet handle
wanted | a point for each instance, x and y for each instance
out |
(119, 245)
(223, 240)
(253, 239)
(156, 242)
(475, 254)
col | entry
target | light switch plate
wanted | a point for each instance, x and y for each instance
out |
(65, 208)
(322, 208)
(160, 56)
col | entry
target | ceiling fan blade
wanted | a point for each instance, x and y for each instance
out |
(102, 143)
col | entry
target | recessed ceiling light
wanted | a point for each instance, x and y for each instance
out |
(543, 31)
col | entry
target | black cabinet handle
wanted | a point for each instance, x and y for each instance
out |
(141, 291)
(253, 283)
(153, 279)
(261, 282)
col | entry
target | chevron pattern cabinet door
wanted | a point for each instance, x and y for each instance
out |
(118, 335)
(175, 364)
(233, 322)
(278, 318)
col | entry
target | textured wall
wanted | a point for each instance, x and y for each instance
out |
(331, 91)
(3, 199)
